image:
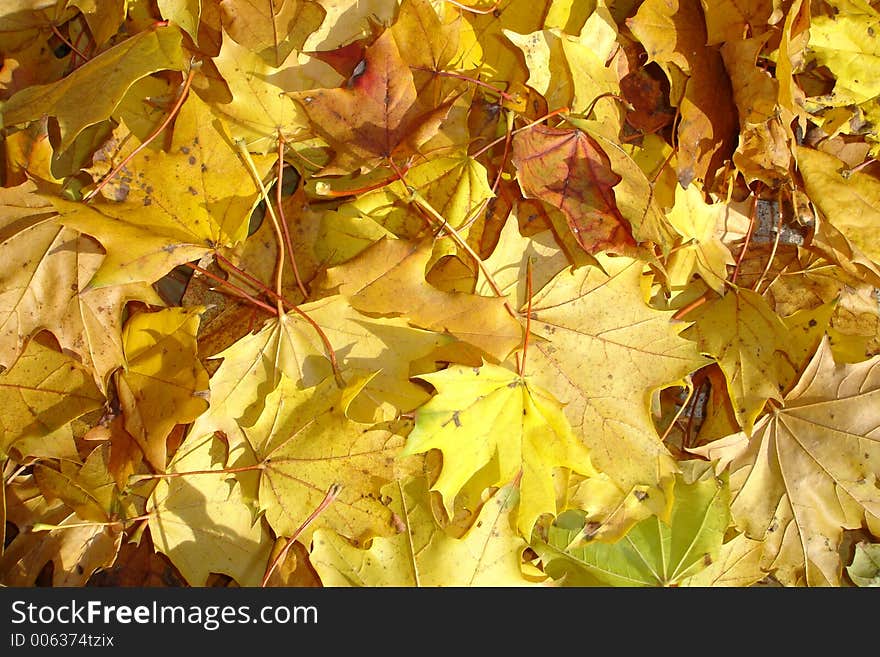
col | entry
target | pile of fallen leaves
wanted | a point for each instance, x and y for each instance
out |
(515, 292)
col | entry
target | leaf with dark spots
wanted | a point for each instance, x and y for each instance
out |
(570, 171)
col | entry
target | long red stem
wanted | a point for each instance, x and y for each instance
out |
(232, 286)
(332, 494)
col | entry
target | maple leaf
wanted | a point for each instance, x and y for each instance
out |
(39, 396)
(490, 415)
(750, 343)
(635, 194)
(428, 42)
(162, 383)
(252, 367)
(271, 30)
(728, 20)
(848, 201)
(569, 170)
(50, 533)
(704, 252)
(173, 206)
(738, 564)
(605, 351)
(654, 552)
(261, 112)
(700, 86)
(45, 286)
(388, 278)
(512, 255)
(570, 71)
(376, 116)
(305, 443)
(202, 523)
(865, 567)
(88, 489)
(809, 470)
(846, 44)
(91, 93)
(422, 553)
(483, 46)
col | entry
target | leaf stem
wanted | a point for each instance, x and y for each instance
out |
(332, 494)
(67, 42)
(174, 110)
(560, 110)
(752, 218)
(474, 10)
(508, 140)
(279, 237)
(232, 286)
(461, 76)
(693, 305)
(525, 349)
(172, 475)
(278, 195)
(435, 216)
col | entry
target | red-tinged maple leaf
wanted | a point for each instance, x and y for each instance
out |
(570, 171)
(377, 114)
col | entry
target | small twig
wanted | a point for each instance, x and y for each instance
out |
(332, 494)
(174, 110)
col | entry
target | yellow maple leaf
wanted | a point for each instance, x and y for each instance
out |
(847, 44)
(201, 522)
(305, 443)
(388, 278)
(271, 30)
(703, 251)
(605, 352)
(809, 470)
(44, 281)
(91, 93)
(849, 202)
(422, 554)
(39, 396)
(260, 111)
(491, 415)
(163, 382)
(175, 207)
(750, 343)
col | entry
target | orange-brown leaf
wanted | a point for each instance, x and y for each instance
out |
(376, 115)
(569, 170)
